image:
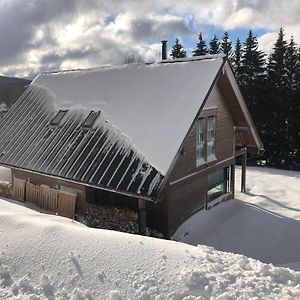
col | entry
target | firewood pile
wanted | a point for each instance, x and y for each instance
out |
(113, 218)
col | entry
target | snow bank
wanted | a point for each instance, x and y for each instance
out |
(262, 224)
(50, 257)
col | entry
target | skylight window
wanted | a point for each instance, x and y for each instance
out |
(90, 120)
(58, 117)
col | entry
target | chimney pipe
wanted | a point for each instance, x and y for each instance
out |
(164, 49)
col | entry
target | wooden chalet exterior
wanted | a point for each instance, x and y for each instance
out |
(71, 158)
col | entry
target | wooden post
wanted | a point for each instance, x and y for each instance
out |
(142, 216)
(232, 180)
(244, 164)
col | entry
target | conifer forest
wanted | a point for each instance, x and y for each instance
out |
(270, 85)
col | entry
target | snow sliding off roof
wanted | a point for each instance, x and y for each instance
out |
(154, 105)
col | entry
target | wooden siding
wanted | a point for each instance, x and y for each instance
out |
(36, 179)
(187, 193)
(53, 200)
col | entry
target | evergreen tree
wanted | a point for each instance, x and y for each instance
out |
(226, 45)
(276, 65)
(277, 104)
(236, 60)
(252, 80)
(291, 151)
(214, 45)
(201, 47)
(252, 61)
(177, 50)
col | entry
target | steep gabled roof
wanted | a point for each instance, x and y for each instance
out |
(152, 104)
(139, 116)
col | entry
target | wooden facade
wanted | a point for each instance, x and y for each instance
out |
(186, 190)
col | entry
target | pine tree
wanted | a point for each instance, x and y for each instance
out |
(277, 105)
(214, 45)
(252, 61)
(236, 60)
(201, 47)
(252, 80)
(177, 50)
(292, 103)
(276, 65)
(226, 45)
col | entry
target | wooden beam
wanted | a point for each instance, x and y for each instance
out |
(243, 179)
(241, 129)
(142, 217)
(232, 180)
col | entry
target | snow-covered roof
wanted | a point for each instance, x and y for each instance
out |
(154, 104)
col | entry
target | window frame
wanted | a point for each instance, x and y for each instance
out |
(205, 116)
(56, 120)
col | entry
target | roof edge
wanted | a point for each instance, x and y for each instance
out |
(244, 108)
(166, 178)
(80, 182)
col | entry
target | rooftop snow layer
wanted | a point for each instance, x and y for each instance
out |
(152, 104)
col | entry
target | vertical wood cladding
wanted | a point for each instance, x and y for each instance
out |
(185, 197)
(186, 162)
(37, 179)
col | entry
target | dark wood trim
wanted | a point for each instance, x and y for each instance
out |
(244, 165)
(240, 152)
(142, 216)
(221, 164)
(241, 129)
(207, 112)
(80, 183)
(232, 180)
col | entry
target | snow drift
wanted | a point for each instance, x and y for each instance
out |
(51, 257)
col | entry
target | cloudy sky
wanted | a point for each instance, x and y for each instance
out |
(45, 35)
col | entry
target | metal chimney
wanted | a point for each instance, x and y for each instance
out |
(164, 45)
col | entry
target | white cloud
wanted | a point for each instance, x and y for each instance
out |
(58, 34)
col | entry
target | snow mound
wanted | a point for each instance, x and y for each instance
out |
(262, 224)
(51, 257)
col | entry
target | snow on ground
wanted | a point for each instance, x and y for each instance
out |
(264, 223)
(51, 257)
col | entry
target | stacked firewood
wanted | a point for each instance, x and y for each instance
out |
(113, 218)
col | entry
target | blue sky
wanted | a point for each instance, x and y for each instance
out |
(47, 35)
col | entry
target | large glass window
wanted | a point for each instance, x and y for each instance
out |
(216, 184)
(205, 139)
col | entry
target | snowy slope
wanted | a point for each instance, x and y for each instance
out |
(50, 257)
(264, 223)
(142, 101)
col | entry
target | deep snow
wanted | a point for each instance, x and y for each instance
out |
(264, 223)
(50, 257)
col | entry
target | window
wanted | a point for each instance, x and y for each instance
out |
(58, 117)
(91, 118)
(200, 141)
(217, 184)
(205, 139)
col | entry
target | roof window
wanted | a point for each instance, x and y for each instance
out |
(91, 118)
(58, 117)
